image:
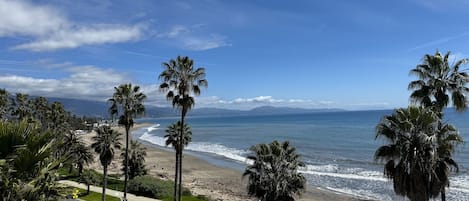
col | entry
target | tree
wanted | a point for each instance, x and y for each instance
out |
(57, 117)
(4, 103)
(81, 155)
(438, 80)
(40, 110)
(20, 107)
(26, 163)
(173, 139)
(412, 153)
(127, 100)
(181, 81)
(88, 178)
(273, 174)
(136, 160)
(105, 143)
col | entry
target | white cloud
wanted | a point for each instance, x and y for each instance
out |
(204, 43)
(50, 30)
(191, 38)
(249, 103)
(84, 82)
(74, 38)
(20, 17)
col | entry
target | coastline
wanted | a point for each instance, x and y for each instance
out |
(202, 177)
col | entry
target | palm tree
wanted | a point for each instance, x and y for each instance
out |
(172, 138)
(30, 165)
(88, 178)
(4, 103)
(438, 80)
(127, 100)
(57, 116)
(273, 174)
(413, 155)
(105, 143)
(447, 138)
(40, 110)
(181, 81)
(81, 155)
(136, 160)
(20, 107)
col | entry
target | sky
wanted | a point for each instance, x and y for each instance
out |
(349, 54)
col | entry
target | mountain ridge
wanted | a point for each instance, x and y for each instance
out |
(99, 109)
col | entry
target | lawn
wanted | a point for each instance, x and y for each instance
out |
(114, 183)
(92, 196)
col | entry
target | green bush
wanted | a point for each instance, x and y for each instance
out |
(151, 187)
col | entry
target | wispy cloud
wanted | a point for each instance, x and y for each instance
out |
(83, 82)
(192, 38)
(51, 30)
(74, 38)
(438, 41)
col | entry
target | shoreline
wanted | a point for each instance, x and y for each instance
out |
(203, 177)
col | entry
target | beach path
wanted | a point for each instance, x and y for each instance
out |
(119, 194)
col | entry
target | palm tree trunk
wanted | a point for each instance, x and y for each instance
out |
(70, 168)
(103, 196)
(176, 175)
(180, 153)
(80, 169)
(443, 195)
(88, 189)
(126, 168)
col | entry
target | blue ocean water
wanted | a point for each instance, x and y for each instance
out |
(337, 147)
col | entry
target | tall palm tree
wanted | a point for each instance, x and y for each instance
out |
(181, 81)
(438, 81)
(136, 160)
(412, 158)
(105, 143)
(128, 101)
(173, 139)
(273, 174)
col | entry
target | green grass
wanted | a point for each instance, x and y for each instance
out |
(93, 196)
(114, 183)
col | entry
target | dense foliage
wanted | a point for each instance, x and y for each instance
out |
(418, 156)
(154, 188)
(136, 160)
(273, 174)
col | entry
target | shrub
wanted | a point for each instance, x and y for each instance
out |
(150, 187)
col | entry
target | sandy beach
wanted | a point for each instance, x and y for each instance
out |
(201, 177)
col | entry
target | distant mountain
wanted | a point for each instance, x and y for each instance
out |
(99, 109)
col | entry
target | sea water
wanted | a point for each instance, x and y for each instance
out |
(337, 147)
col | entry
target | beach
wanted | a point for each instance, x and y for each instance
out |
(201, 177)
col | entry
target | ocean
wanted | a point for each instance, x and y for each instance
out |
(337, 147)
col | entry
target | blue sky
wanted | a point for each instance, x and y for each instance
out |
(312, 54)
